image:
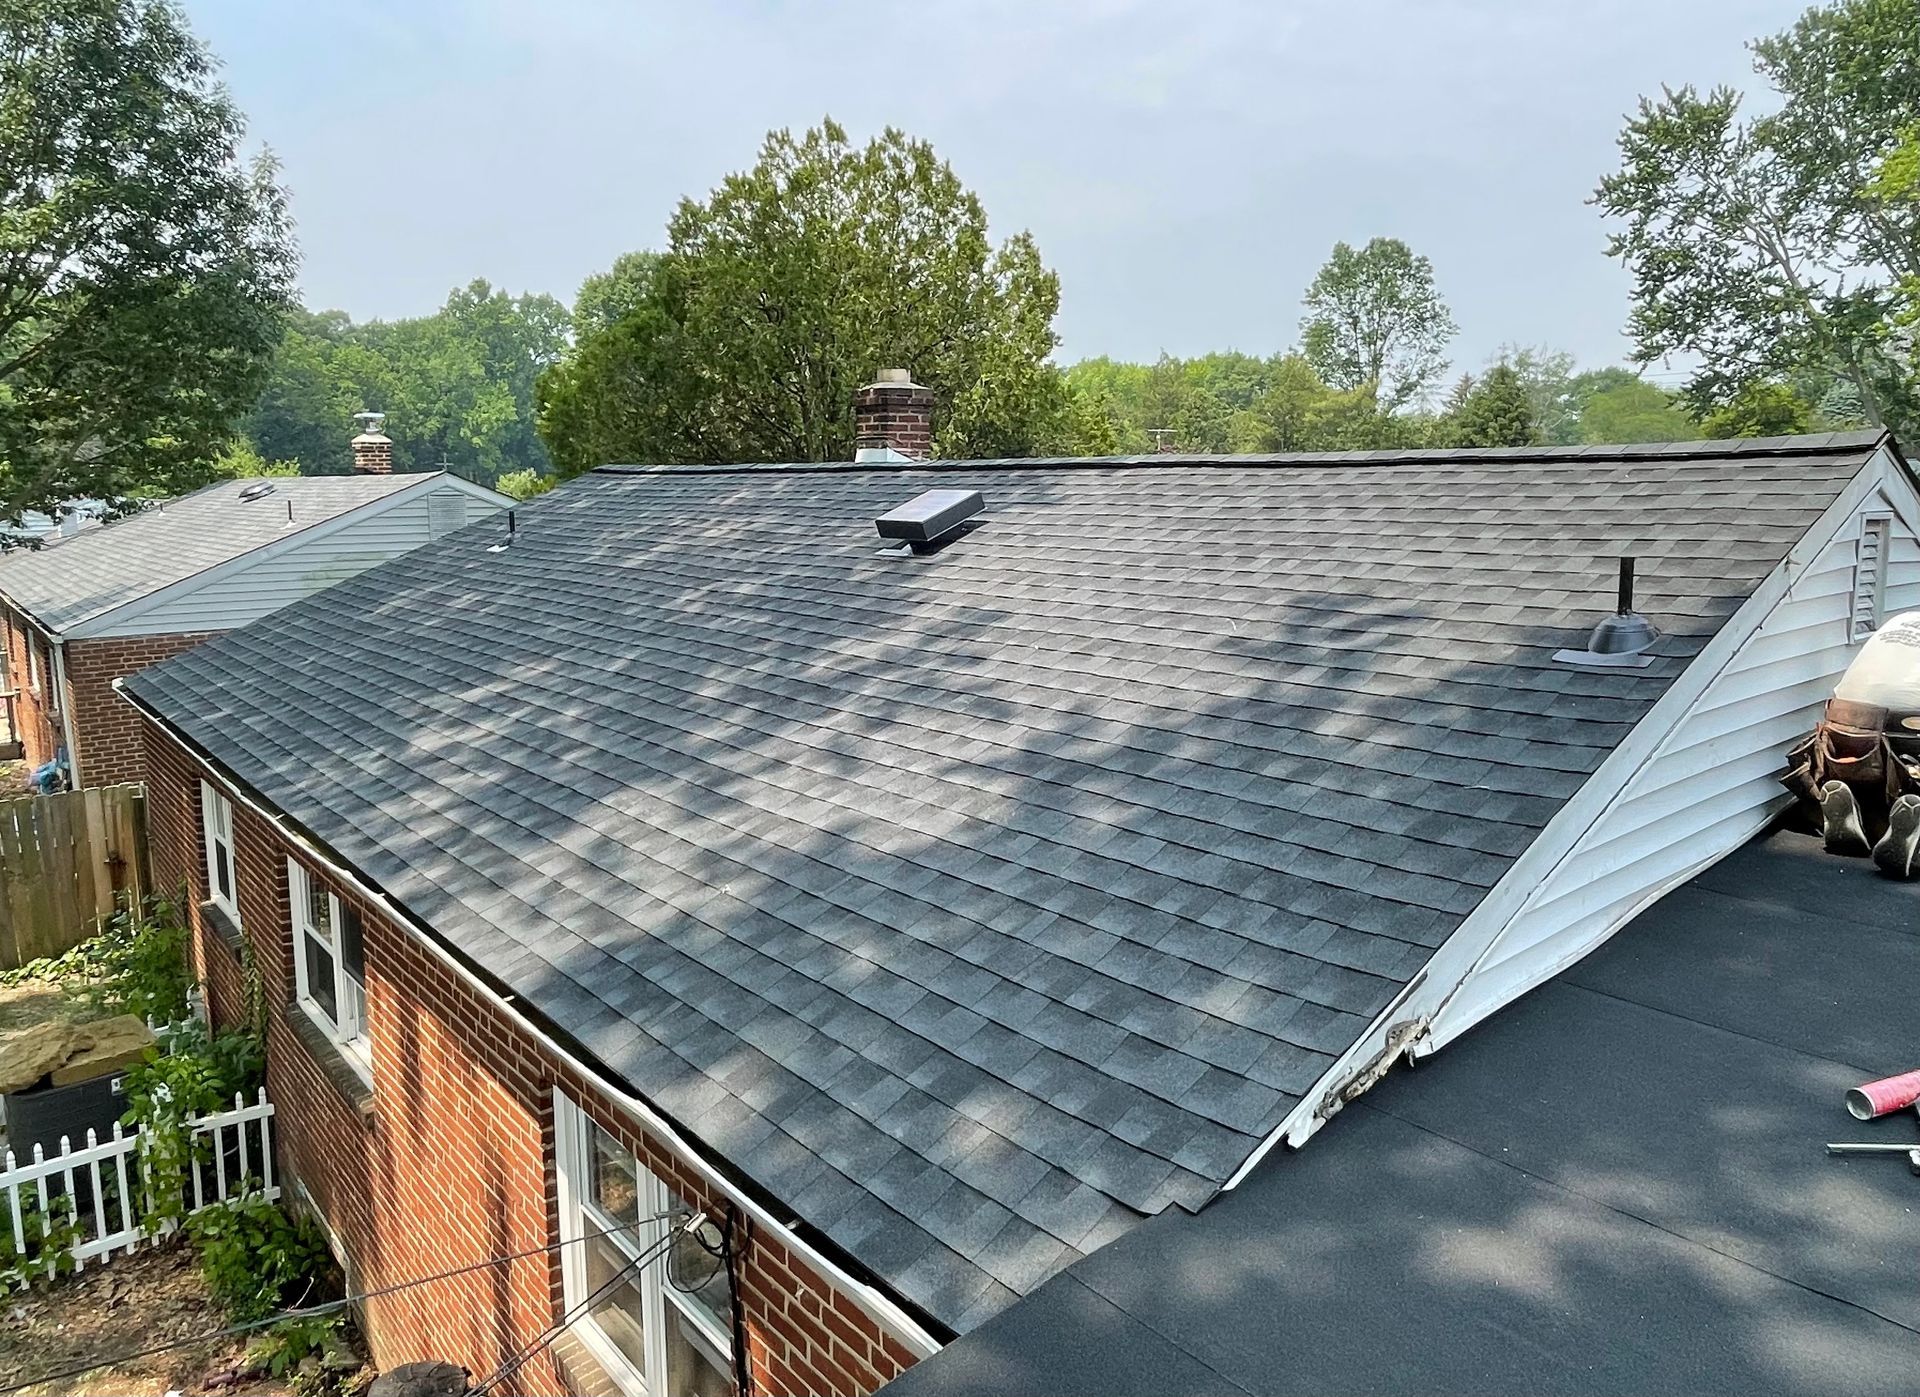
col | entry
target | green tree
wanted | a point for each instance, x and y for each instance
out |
(1496, 412)
(1780, 244)
(783, 292)
(241, 461)
(457, 385)
(1375, 320)
(1290, 414)
(1630, 409)
(1546, 376)
(144, 267)
(524, 485)
(607, 297)
(1761, 410)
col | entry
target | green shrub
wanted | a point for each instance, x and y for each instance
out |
(312, 1353)
(257, 1259)
(135, 964)
(190, 1073)
(43, 1251)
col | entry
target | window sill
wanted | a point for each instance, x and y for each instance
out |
(348, 1077)
(223, 924)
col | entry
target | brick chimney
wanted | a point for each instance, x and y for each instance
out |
(373, 448)
(893, 413)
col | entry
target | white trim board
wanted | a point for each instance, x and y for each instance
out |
(113, 623)
(1416, 1020)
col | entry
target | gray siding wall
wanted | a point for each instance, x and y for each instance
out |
(1711, 784)
(248, 593)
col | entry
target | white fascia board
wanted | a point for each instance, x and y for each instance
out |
(479, 492)
(112, 623)
(1903, 496)
(1455, 959)
(875, 1302)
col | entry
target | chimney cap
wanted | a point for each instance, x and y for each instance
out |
(887, 376)
(370, 422)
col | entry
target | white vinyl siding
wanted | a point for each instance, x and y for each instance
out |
(329, 970)
(246, 594)
(1712, 783)
(223, 871)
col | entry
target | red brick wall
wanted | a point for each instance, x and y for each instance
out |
(33, 713)
(106, 727)
(899, 415)
(454, 1164)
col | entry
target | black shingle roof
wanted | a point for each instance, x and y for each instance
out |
(977, 904)
(1616, 1185)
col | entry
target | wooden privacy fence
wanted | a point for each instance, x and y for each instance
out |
(63, 861)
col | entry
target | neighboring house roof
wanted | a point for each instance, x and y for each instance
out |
(1617, 1185)
(75, 580)
(977, 905)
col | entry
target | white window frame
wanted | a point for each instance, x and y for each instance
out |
(581, 1218)
(33, 663)
(347, 1026)
(216, 828)
(1865, 619)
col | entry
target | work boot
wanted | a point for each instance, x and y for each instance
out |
(1897, 847)
(1840, 825)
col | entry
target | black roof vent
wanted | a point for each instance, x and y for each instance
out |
(260, 489)
(1619, 641)
(930, 520)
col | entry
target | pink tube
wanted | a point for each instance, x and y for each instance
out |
(1887, 1094)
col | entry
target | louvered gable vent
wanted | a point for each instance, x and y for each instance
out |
(1869, 575)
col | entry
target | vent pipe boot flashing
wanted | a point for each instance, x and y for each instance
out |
(1620, 640)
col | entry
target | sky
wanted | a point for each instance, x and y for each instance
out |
(1185, 168)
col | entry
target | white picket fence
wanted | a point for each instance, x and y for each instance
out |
(29, 1190)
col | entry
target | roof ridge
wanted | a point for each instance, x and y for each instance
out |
(1803, 445)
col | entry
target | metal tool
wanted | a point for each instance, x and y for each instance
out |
(1912, 1152)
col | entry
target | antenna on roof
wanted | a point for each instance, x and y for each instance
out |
(1162, 439)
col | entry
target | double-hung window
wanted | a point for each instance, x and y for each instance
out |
(216, 826)
(329, 971)
(660, 1323)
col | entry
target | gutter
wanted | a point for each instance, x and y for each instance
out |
(879, 1306)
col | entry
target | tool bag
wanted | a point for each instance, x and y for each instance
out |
(1852, 743)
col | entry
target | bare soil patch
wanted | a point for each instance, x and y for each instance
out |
(155, 1296)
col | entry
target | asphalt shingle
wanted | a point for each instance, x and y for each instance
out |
(977, 904)
(72, 580)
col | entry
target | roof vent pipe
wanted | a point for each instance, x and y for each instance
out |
(1620, 640)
